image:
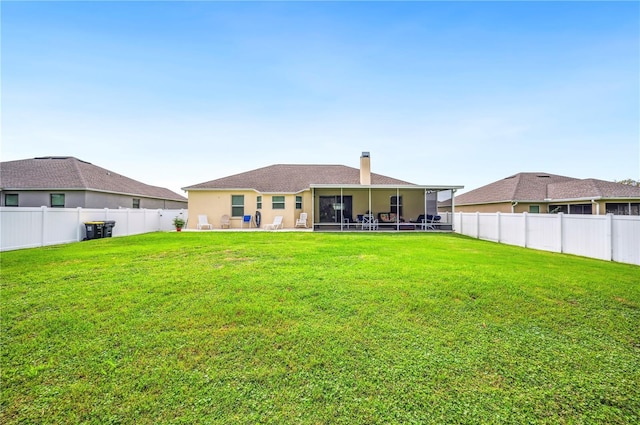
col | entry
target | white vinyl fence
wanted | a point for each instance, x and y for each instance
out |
(606, 237)
(33, 227)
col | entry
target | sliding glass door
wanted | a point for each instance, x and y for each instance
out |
(334, 208)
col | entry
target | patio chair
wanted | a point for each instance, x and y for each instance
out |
(247, 219)
(224, 221)
(427, 223)
(203, 222)
(277, 223)
(302, 221)
(369, 223)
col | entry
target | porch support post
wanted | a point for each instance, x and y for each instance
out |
(397, 209)
(313, 209)
(370, 213)
(453, 210)
(341, 210)
(424, 225)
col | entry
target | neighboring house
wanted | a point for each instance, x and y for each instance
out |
(550, 193)
(332, 196)
(67, 182)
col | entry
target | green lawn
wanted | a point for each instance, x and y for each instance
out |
(308, 328)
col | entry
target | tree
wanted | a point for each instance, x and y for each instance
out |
(630, 182)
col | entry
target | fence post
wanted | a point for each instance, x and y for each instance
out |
(560, 244)
(608, 234)
(498, 230)
(79, 233)
(526, 227)
(477, 225)
(44, 224)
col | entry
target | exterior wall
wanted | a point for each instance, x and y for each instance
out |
(597, 207)
(216, 203)
(504, 207)
(89, 199)
(30, 198)
(112, 200)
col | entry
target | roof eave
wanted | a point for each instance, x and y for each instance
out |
(209, 189)
(384, 186)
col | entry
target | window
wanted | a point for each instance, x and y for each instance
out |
(534, 209)
(237, 205)
(136, 203)
(580, 209)
(11, 200)
(277, 202)
(555, 209)
(396, 205)
(570, 209)
(259, 202)
(298, 202)
(626, 208)
(57, 200)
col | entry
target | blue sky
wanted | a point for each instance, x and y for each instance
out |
(463, 93)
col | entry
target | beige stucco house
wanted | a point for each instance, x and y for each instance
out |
(550, 193)
(333, 197)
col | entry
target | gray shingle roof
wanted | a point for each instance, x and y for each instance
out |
(592, 188)
(545, 186)
(293, 178)
(73, 174)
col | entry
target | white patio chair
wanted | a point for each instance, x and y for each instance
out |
(369, 223)
(427, 223)
(277, 223)
(302, 221)
(224, 221)
(203, 222)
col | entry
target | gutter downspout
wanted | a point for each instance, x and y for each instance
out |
(593, 201)
(513, 206)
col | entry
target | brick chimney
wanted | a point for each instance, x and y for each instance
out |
(365, 169)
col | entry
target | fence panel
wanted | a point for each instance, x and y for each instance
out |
(544, 232)
(21, 227)
(606, 237)
(512, 229)
(469, 225)
(121, 218)
(33, 227)
(488, 228)
(625, 243)
(60, 226)
(585, 235)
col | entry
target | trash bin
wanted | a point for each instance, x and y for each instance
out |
(107, 229)
(94, 229)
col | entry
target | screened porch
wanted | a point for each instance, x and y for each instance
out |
(381, 208)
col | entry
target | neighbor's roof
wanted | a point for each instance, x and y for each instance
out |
(69, 173)
(293, 178)
(545, 186)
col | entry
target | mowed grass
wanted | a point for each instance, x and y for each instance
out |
(307, 328)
